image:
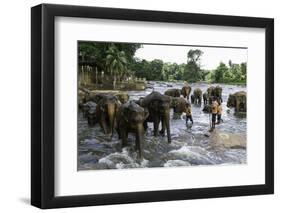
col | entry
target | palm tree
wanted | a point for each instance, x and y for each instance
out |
(116, 62)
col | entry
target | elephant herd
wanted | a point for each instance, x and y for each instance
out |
(116, 112)
(197, 95)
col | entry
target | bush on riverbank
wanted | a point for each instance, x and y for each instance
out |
(231, 74)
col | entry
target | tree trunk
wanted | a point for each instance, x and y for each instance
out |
(114, 81)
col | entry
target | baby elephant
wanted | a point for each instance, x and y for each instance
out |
(173, 92)
(89, 112)
(87, 106)
(197, 93)
(129, 119)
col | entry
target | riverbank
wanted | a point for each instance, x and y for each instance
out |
(201, 82)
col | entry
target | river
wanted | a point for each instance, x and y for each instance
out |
(189, 147)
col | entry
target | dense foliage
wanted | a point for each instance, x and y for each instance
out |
(97, 53)
(158, 70)
(118, 60)
(233, 73)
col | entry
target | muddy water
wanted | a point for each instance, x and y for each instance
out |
(189, 147)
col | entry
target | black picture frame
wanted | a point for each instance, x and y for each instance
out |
(43, 102)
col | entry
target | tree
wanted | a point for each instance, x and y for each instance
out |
(193, 70)
(243, 67)
(96, 52)
(205, 74)
(116, 62)
(218, 73)
(235, 69)
(170, 71)
(156, 67)
(194, 56)
(228, 77)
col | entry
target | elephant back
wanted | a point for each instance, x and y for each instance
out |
(179, 104)
(131, 106)
(218, 91)
(97, 97)
(173, 92)
(232, 98)
(241, 96)
(197, 92)
(155, 96)
(211, 90)
(240, 93)
(186, 89)
(126, 110)
(89, 105)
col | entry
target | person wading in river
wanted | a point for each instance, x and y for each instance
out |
(214, 110)
(188, 114)
(219, 120)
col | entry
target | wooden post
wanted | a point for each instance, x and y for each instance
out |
(96, 77)
(82, 75)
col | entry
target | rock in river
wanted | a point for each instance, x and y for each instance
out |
(228, 140)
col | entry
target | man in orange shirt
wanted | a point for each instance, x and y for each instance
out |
(188, 114)
(219, 113)
(214, 110)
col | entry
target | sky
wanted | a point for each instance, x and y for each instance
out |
(210, 59)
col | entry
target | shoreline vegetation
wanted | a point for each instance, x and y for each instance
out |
(114, 66)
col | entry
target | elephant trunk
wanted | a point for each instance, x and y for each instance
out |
(139, 139)
(111, 117)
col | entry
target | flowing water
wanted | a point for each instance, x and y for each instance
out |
(189, 147)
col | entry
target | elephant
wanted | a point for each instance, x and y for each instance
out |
(197, 96)
(205, 98)
(87, 106)
(185, 91)
(123, 97)
(214, 92)
(179, 104)
(218, 93)
(92, 116)
(158, 106)
(210, 91)
(238, 100)
(107, 108)
(173, 92)
(129, 119)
